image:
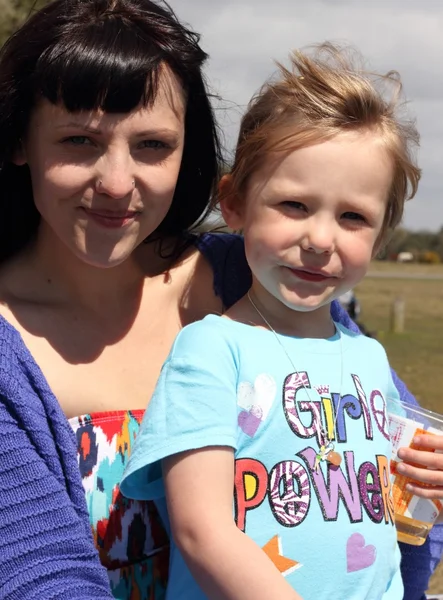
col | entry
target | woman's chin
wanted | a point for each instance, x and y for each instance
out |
(104, 259)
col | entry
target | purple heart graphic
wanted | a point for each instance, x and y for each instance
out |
(358, 555)
(248, 422)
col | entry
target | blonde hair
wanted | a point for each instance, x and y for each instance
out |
(318, 97)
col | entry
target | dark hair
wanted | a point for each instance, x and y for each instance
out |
(102, 54)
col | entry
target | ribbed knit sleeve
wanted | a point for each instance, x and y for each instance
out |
(46, 545)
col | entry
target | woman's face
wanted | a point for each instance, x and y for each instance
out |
(104, 182)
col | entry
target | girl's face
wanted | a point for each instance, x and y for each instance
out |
(104, 182)
(311, 220)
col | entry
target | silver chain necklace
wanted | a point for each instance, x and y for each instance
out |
(327, 447)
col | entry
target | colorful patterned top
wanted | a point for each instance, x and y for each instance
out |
(130, 538)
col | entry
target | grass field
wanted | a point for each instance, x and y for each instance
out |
(416, 354)
(407, 268)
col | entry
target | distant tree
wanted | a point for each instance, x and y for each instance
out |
(396, 244)
(430, 257)
(417, 242)
(13, 13)
(421, 241)
(439, 244)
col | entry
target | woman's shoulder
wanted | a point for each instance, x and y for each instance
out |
(226, 254)
(220, 246)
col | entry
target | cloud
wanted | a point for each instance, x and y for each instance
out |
(244, 36)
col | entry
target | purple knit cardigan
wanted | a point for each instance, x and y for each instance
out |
(46, 545)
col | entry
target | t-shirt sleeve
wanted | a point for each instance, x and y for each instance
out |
(340, 315)
(193, 406)
(393, 398)
(381, 364)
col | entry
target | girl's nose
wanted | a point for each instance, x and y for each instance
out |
(319, 237)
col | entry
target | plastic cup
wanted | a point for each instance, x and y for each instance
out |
(414, 516)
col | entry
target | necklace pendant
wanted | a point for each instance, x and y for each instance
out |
(334, 458)
(327, 452)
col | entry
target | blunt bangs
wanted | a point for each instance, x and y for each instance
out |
(103, 66)
(108, 55)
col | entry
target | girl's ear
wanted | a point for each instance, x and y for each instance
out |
(230, 203)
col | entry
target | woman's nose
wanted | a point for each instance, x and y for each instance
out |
(114, 177)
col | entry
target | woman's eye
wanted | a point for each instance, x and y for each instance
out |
(353, 216)
(154, 144)
(77, 140)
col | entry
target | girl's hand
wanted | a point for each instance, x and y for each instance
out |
(424, 466)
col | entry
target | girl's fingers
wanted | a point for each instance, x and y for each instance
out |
(429, 442)
(427, 476)
(434, 493)
(431, 460)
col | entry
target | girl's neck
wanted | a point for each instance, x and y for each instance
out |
(269, 312)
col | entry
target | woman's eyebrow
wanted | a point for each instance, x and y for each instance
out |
(78, 125)
(154, 131)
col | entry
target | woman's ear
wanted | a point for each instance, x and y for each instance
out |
(230, 203)
(19, 156)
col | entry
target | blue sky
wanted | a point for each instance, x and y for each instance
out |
(243, 37)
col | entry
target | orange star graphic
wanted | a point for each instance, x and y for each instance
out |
(274, 551)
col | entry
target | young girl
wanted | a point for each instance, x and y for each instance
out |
(266, 443)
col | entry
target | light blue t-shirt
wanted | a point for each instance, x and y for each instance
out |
(330, 531)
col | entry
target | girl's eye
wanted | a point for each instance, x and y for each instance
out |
(154, 144)
(77, 140)
(293, 204)
(353, 216)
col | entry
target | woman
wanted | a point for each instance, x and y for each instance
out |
(109, 156)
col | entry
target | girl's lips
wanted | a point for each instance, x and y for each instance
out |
(109, 219)
(309, 276)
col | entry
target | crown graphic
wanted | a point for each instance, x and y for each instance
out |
(322, 389)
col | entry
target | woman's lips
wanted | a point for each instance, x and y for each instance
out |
(110, 219)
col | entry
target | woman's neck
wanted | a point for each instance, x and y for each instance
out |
(58, 275)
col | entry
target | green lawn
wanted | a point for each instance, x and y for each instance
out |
(416, 354)
(413, 268)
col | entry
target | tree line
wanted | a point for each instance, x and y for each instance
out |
(425, 246)
(13, 13)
